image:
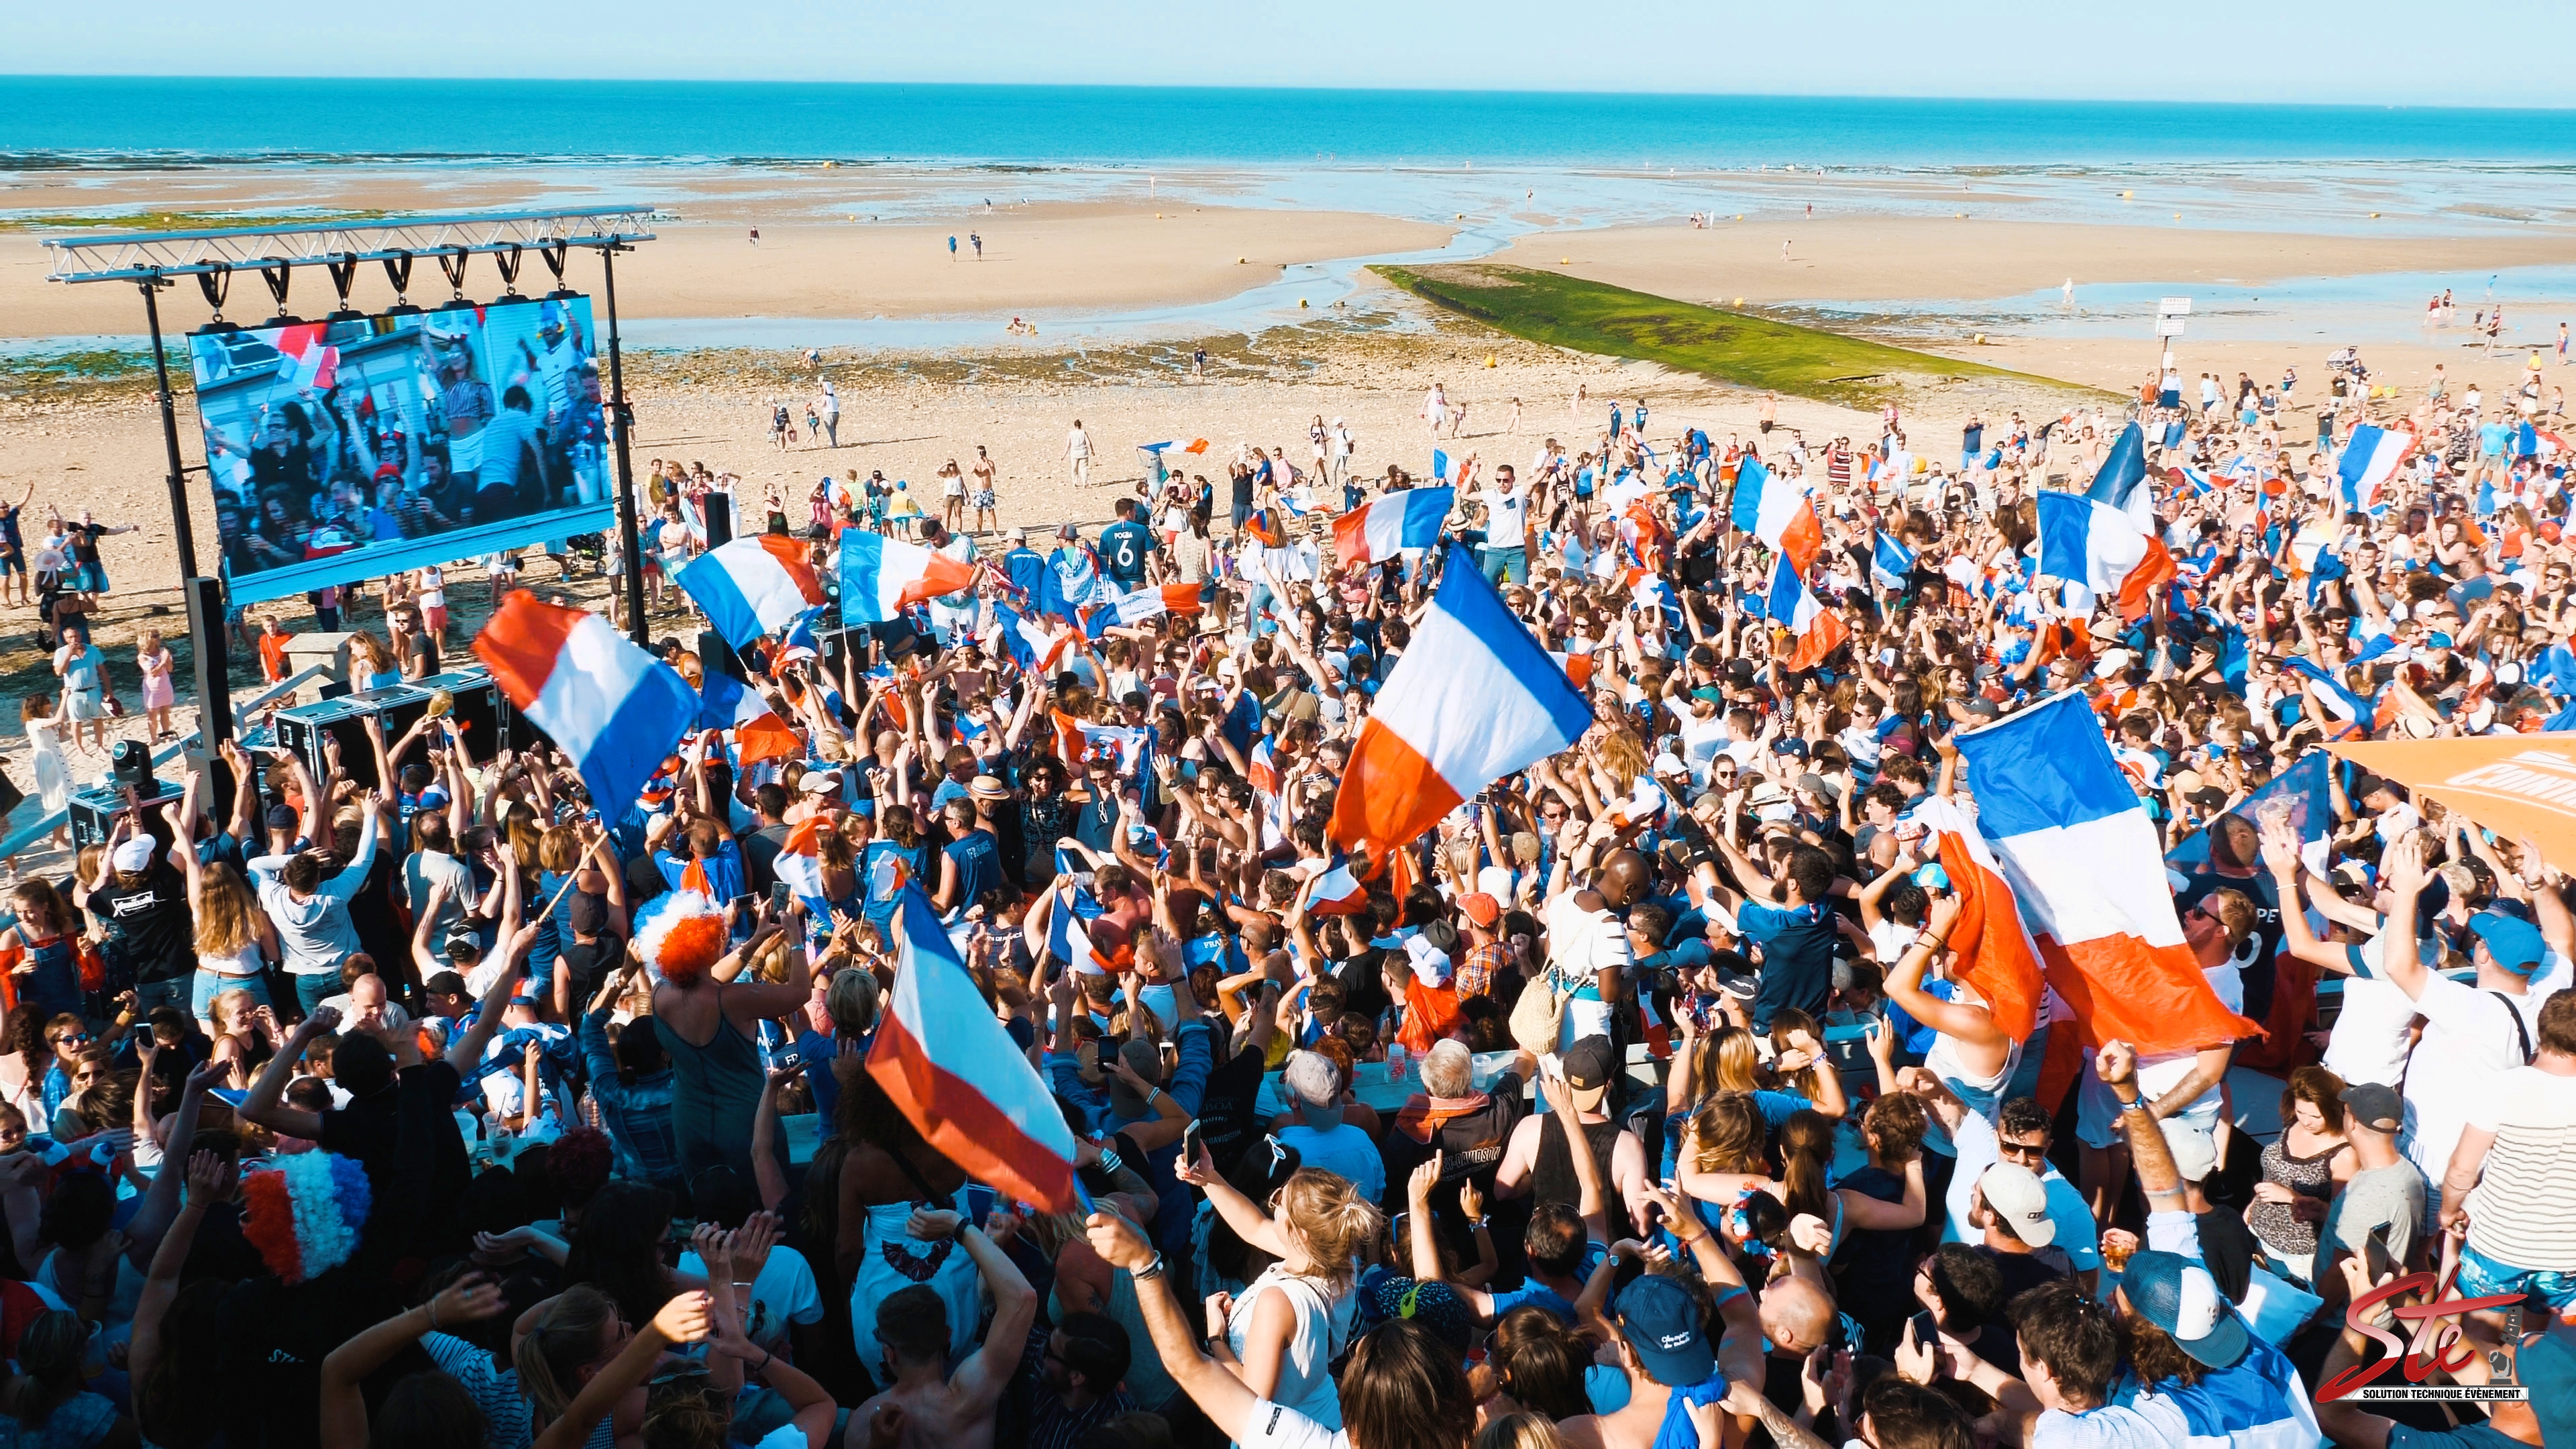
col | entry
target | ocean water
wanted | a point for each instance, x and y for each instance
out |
(86, 120)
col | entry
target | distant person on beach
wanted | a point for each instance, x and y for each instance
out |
(987, 499)
(13, 544)
(831, 416)
(1077, 452)
(977, 238)
(952, 248)
(755, 236)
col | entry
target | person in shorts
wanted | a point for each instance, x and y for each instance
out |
(13, 550)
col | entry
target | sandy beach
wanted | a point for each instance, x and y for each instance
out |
(98, 445)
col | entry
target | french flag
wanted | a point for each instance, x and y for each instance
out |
(1795, 607)
(1154, 601)
(1990, 949)
(311, 365)
(1337, 891)
(1778, 512)
(726, 703)
(753, 586)
(2081, 857)
(1577, 667)
(1069, 942)
(2337, 698)
(2121, 481)
(615, 709)
(1071, 584)
(1381, 529)
(944, 1060)
(1031, 646)
(2085, 541)
(1474, 699)
(880, 576)
(2370, 458)
(800, 863)
(1890, 563)
(1077, 738)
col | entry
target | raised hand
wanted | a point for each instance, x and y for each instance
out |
(684, 1318)
(467, 1300)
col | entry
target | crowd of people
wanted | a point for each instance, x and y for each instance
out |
(1638, 1104)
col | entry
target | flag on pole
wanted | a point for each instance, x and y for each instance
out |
(2087, 542)
(616, 710)
(1778, 512)
(2121, 481)
(2081, 856)
(1474, 699)
(726, 703)
(752, 586)
(949, 1067)
(1378, 530)
(1795, 607)
(2370, 458)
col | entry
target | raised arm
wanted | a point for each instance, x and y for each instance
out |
(265, 1104)
(344, 1409)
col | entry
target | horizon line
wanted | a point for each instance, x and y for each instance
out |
(1231, 89)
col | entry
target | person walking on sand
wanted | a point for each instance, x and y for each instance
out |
(952, 247)
(156, 665)
(755, 236)
(1077, 451)
(1457, 418)
(977, 238)
(831, 415)
(1435, 408)
(1581, 394)
(952, 495)
(1512, 420)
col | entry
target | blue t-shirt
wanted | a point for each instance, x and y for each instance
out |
(1124, 547)
(978, 858)
(1797, 957)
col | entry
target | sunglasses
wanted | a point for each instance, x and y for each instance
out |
(69, 1040)
(2028, 1151)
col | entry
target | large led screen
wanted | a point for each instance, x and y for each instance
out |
(354, 449)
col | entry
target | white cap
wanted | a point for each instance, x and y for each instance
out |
(1429, 961)
(2195, 1155)
(1312, 1078)
(133, 855)
(2018, 1197)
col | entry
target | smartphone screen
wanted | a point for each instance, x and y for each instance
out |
(1190, 1143)
(780, 895)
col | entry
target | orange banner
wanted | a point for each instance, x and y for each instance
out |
(2515, 785)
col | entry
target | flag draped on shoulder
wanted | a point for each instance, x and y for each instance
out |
(752, 586)
(1474, 699)
(616, 710)
(1382, 528)
(946, 1063)
(1989, 948)
(2081, 856)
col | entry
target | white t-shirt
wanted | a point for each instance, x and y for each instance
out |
(784, 1293)
(2374, 1031)
(1077, 444)
(1977, 1145)
(2469, 1040)
(1582, 943)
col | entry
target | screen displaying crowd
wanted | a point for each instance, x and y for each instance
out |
(1666, 1092)
(337, 438)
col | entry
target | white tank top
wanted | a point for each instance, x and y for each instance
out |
(244, 962)
(1981, 1094)
(1306, 1371)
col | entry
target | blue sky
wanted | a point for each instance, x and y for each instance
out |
(2493, 52)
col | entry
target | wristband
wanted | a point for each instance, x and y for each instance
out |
(1482, 1222)
(1153, 1269)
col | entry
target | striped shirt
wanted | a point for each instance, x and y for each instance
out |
(2523, 1210)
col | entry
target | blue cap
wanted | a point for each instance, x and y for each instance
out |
(1661, 1321)
(2177, 1294)
(2514, 942)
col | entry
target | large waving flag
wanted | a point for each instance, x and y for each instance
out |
(880, 576)
(753, 586)
(726, 703)
(1989, 948)
(1778, 512)
(2080, 854)
(1794, 607)
(2085, 541)
(2121, 481)
(949, 1067)
(614, 708)
(1474, 699)
(1376, 531)
(2354, 711)
(2370, 458)
(1077, 738)
(1337, 891)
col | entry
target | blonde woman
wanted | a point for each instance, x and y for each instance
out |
(235, 939)
(1283, 1334)
(246, 1037)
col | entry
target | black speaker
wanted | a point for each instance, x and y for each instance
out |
(476, 706)
(130, 761)
(93, 811)
(302, 730)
